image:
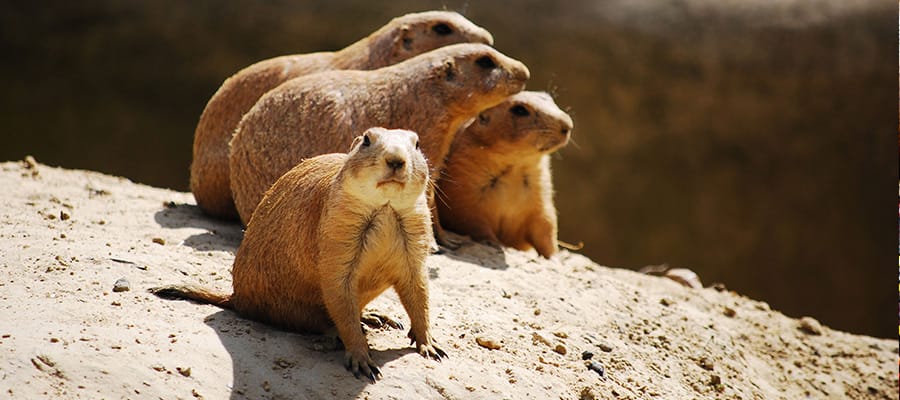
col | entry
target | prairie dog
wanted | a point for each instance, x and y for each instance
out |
(332, 234)
(433, 94)
(496, 186)
(400, 39)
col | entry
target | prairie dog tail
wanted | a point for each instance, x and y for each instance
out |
(569, 246)
(198, 294)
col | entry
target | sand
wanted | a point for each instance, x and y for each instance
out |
(515, 326)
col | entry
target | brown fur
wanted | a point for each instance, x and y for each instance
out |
(496, 184)
(400, 39)
(433, 94)
(332, 234)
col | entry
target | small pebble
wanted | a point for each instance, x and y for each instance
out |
(488, 343)
(64, 216)
(596, 367)
(560, 349)
(605, 347)
(186, 372)
(685, 277)
(121, 285)
(706, 364)
(538, 338)
(587, 394)
(159, 241)
(810, 326)
(729, 312)
(586, 355)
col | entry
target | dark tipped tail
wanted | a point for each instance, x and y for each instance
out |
(179, 292)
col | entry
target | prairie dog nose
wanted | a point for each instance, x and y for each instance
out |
(394, 162)
(567, 125)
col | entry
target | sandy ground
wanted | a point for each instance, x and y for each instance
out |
(68, 236)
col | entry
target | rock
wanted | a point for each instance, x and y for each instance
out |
(596, 367)
(560, 349)
(810, 326)
(586, 355)
(685, 277)
(729, 312)
(159, 241)
(121, 285)
(488, 342)
(605, 347)
(587, 394)
(538, 338)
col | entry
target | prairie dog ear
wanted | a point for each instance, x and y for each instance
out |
(450, 70)
(414, 139)
(356, 142)
(404, 39)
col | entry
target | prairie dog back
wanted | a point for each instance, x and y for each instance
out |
(401, 38)
(433, 94)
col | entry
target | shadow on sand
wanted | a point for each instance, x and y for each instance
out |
(269, 363)
(476, 253)
(220, 236)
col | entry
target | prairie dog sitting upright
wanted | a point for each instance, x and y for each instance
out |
(496, 185)
(329, 236)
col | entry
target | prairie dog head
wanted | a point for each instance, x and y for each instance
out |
(386, 166)
(418, 33)
(472, 77)
(527, 121)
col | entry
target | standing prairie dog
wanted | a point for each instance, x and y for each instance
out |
(433, 94)
(496, 185)
(402, 38)
(331, 235)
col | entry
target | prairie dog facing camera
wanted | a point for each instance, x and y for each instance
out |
(433, 94)
(328, 237)
(496, 186)
(401, 38)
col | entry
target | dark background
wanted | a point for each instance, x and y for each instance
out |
(752, 141)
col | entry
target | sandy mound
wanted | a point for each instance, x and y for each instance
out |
(68, 331)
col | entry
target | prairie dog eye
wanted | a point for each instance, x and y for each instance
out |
(520, 111)
(486, 62)
(366, 141)
(442, 29)
(417, 144)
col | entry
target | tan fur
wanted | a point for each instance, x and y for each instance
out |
(433, 94)
(332, 234)
(400, 39)
(496, 184)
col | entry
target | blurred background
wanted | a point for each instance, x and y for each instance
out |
(751, 141)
